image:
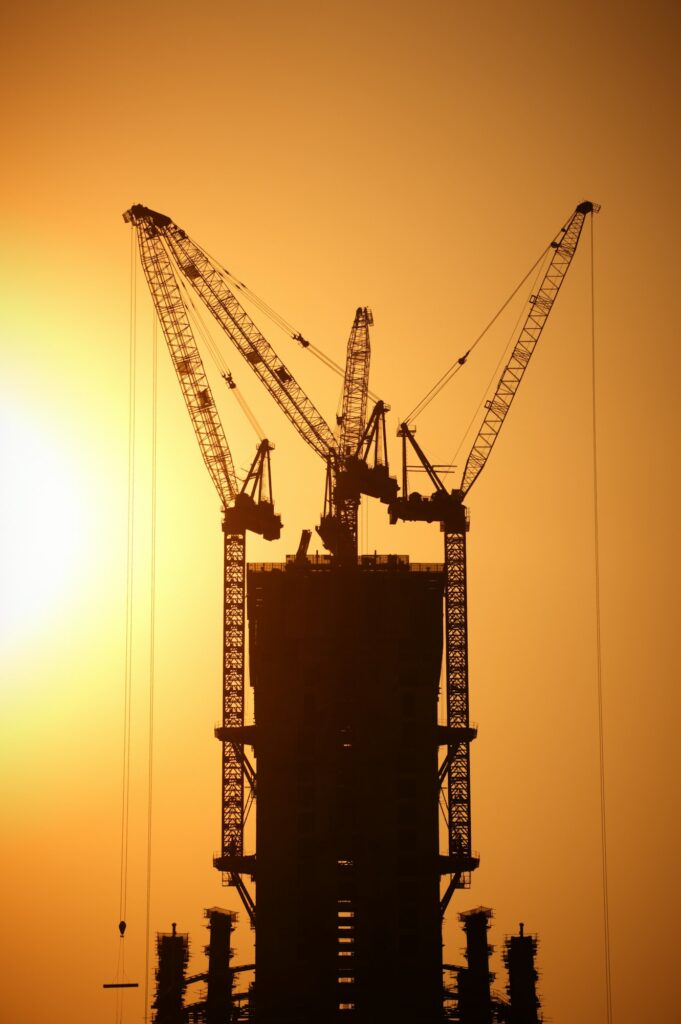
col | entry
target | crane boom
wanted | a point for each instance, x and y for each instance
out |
(186, 358)
(541, 304)
(356, 382)
(448, 509)
(338, 525)
(345, 456)
(208, 280)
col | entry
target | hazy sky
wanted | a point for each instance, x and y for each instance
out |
(415, 158)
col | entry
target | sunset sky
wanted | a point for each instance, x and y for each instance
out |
(416, 159)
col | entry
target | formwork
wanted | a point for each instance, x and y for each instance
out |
(345, 664)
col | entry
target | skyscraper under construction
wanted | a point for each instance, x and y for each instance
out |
(345, 666)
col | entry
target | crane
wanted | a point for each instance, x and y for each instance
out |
(168, 258)
(447, 508)
(249, 507)
(362, 464)
(348, 472)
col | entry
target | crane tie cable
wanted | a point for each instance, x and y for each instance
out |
(599, 659)
(494, 375)
(454, 368)
(279, 320)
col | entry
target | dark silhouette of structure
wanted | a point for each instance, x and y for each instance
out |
(475, 1001)
(519, 957)
(172, 950)
(218, 1004)
(474, 980)
(345, 659)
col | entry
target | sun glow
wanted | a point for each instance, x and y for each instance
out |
(42, 535)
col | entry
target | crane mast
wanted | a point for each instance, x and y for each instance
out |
(356, 382)
(354, 412)
(448, 509)
(338, 525)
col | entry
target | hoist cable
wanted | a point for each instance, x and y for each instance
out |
(127, 672)
(127, 699)
(456, 366)
(152, 660)
(120, 974)
(599, 657)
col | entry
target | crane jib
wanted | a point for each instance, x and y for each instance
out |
(562, 250)
(208, 282)
(280, 382)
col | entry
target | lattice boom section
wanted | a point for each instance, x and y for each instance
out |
(233, 693)
(540, 305)
(186, 358)
(210, 285)
(355, 384)
(459, 788)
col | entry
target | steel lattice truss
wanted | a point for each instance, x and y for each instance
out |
(354, 413)
(233, 693)
(208, 281)
(356, 383)
(563, 246)
(172, 313)
(458, 776)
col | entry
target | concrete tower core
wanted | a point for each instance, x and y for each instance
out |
(345, 663)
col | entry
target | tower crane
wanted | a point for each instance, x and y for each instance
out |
(168, 257)
(349, 473)
(248, 507)
(447, 508)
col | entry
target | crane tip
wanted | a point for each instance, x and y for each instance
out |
(587, 207)
(137, 212)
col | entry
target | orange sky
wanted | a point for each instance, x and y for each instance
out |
(416, 159)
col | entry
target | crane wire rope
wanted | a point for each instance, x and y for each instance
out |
(599, 654)
(127, 683)
(279, 320)
(152, 660)
(454, 368)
